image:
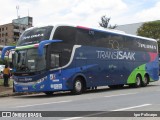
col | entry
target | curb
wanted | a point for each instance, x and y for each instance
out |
(5, 94)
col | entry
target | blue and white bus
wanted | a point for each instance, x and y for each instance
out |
(74, 58)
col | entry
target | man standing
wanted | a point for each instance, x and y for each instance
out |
(6, 75)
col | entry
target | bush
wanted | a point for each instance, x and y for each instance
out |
(5, 61)
(10, 82)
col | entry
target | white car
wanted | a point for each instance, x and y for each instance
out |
(1, 68)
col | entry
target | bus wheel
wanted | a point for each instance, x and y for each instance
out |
(145, 81)
(77, 86)
(138, 81)
(49, 93)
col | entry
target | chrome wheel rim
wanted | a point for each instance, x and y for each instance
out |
(78, 86)
(138, 82)
(145, 80)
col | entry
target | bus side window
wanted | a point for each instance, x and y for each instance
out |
(55, 60)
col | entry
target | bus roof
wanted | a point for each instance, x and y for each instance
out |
(116, 32)
(98, 29)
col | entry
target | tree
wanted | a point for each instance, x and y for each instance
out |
(151, 30)
(105, 22)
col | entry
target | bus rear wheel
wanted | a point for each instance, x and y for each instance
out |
(145, 81)
(138, 81)
(77, 86)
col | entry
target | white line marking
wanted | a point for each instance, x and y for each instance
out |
(120, 95)
(72, 118)
(122, 109)
(42, 104)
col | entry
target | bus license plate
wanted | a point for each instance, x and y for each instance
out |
(25, 88)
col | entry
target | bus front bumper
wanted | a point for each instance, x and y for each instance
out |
(38, 87)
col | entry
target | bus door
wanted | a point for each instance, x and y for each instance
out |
(80, 66)
(115, 72)
(55, 64)
(55, 60)
(92, 73)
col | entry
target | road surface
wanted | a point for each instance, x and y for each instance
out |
(101, 102)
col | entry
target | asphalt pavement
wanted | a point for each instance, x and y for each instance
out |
(133, 103)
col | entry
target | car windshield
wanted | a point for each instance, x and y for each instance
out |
(29, 61)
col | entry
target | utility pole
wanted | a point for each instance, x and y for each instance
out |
(17, 7)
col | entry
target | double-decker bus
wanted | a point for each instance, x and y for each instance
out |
(75, 58)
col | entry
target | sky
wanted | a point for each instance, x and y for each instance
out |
(80, 12)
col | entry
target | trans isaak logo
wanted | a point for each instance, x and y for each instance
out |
(117, 55)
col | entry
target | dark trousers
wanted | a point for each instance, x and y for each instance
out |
(6, 77)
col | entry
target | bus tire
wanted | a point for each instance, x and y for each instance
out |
(145, 81)
(49, 93)
(77, 86)
(138, 81)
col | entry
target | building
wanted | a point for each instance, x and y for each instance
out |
(6, 34)
(130, 28)
(10, 33)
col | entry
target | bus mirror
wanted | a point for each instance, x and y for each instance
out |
(43, 43)
(5, 49)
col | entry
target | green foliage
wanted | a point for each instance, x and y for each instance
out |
(13, 44)
(150, 30)
(5, 61)
(105, 23)
(10, 82)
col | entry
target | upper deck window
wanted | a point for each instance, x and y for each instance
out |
(35, 35)
(65, 33)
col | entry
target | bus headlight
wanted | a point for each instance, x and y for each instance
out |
(15, 82)
(42, 86)
(40, 80)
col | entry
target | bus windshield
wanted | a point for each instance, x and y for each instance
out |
(29, 61)
(35, 35)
